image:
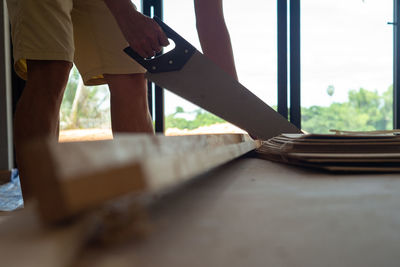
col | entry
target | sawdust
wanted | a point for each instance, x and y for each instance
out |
(120, 222)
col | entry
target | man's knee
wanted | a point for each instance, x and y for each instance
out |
(118, 79)
(48, 70)
(127, 83)
(50, 76)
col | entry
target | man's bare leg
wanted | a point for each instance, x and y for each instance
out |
(37, 112)
(129, 107)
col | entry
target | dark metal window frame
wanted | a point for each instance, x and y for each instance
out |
(396, 64)
(282, 57)
(6, 142)
(295, 64)
(155, 8)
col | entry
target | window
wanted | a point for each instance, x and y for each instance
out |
(252, 26)
(346, 65)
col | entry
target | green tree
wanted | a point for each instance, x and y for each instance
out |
(330, 90)
(202, 118)
(84, 107)
(364, 111)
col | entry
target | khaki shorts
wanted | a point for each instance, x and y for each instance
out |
(79, 31)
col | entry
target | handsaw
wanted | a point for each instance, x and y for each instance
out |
(188, 73)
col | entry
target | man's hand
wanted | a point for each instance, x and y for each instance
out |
(143, 34)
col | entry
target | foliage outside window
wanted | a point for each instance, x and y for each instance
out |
(363, 111)
(84, 107)
(88, 107)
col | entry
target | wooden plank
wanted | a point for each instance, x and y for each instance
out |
(249, 213)
(259, 213)
(338, 153)
(69, 178)
(164, 162)
(25, 242)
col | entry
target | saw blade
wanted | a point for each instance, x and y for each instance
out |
(203, 83)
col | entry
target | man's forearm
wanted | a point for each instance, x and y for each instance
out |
(213, 34)
(143, 34)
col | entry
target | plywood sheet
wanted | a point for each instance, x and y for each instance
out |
(24, 241)
(259, 213)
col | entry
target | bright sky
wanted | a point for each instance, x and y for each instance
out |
(348, 44)
(345, 43)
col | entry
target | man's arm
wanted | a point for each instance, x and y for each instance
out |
(213, 34)
(143, 34)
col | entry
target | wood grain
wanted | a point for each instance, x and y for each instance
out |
(259, 213)
(69, 178)
(250, 213)
(337, 153)
(25, 242)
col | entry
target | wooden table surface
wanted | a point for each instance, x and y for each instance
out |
(253, 212)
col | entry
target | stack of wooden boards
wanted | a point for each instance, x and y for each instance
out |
(342, 152)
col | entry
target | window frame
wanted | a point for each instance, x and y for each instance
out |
(6, 140)
(396, 64)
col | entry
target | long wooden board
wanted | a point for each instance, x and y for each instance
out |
(25, 242)
(258, 213)
(249, 213)
(69, 178)
(74, 177)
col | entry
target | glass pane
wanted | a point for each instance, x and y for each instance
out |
(252, 27)
(85, 111)
(347, 65)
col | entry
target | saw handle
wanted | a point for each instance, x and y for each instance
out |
(173, 60)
